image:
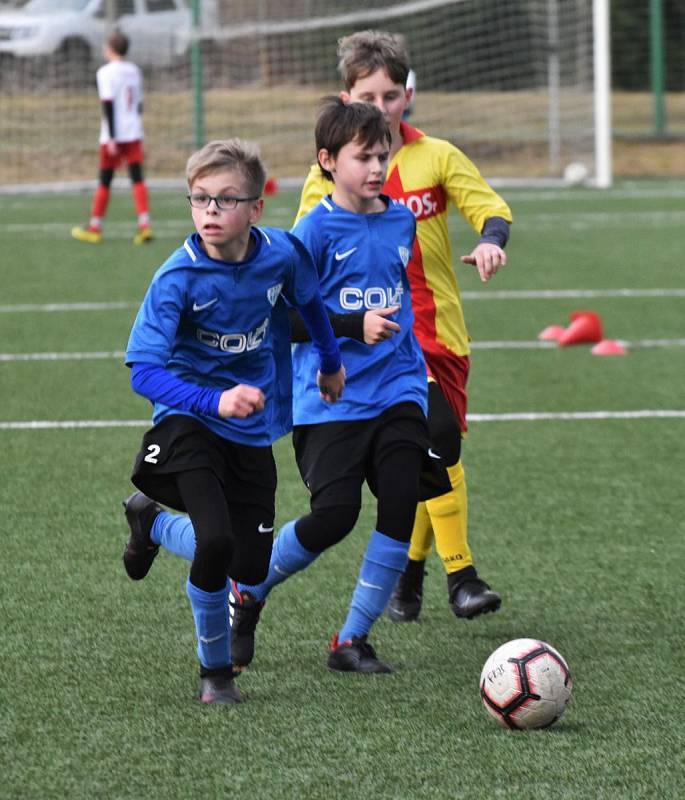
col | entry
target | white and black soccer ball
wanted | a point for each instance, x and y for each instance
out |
(525, 684)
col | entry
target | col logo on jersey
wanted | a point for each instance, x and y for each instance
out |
(354, 298)
(235, 342)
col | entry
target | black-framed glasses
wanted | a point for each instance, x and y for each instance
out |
(224, 202)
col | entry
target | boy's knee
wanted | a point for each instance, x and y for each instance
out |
(250, 565)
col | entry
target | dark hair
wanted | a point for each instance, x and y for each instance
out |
(339, 123)
(365, 52)
(118, 42)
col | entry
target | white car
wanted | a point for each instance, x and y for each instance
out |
(75, 29)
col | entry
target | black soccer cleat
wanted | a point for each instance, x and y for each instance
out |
(140, 551)
(244, 610)
(355, 655)
(217, 687)
(473, 597)
(405, 602)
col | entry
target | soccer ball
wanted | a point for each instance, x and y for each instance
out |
(525, 684)
(575, 173)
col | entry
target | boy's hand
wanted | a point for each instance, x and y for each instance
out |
(112, 147)
(377, 328)
(487, 258)
(241, 401)
(331, 386)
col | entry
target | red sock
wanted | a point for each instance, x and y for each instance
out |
(140, 201)
(100, 202)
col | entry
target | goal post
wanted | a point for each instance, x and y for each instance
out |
(521, 86)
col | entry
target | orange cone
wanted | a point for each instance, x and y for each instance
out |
(271, 186)
(609, 347)
(585, 327)
(552, 333)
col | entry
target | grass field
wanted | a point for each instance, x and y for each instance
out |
(577, 521)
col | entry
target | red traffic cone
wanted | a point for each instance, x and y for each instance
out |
(586, 326)
(609, 347)
(552, 333)
(271, 186)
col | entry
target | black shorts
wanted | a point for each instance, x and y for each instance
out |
(180, 443)
(336, 457)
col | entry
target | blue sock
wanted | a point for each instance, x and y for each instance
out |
(287, 557)
(384, 560)
(210, 611)
(174, 533)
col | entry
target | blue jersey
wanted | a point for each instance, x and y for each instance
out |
(361, 260)
(218, 324)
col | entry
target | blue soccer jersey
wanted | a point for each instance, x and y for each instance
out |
(361, 260)
(218, 324)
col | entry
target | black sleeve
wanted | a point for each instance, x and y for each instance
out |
(108, 113)
(495, 231)
(350, 325)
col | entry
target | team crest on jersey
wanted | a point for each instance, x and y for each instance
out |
(404, 255)
(273, 292)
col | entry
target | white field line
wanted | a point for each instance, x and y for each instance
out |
(100, 355)
(522, 294)
(523, 416)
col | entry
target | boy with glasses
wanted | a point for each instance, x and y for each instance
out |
(210, 349)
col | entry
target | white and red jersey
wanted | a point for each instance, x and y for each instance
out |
(121, 82)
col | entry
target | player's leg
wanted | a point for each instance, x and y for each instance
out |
(141, 200)
(204, 498)
(325, 457)
(407, 597)
(92, 232)
(397, 456)
(469, 595)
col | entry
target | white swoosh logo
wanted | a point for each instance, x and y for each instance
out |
(262, 529)
(196, 307)
(368, 585)
(209, 640)
(432, 454)
(340, 256)
(280, 571)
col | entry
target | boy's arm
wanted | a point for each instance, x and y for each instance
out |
(159, 385)
(370, 327)
(331, 376)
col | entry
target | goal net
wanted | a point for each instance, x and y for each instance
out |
(510, 82)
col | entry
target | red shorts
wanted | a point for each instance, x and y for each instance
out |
(451, 373)
(127, 152)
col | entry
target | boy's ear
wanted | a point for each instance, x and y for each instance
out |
(256, 211)
(408, 94)
(345, 97)
(326, 160)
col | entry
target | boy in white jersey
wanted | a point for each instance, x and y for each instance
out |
(120, 87)
(361, 242)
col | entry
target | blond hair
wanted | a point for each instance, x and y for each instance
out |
(229, 154)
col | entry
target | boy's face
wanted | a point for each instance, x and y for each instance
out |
(378, 89)
(358, 171)
(219, 228)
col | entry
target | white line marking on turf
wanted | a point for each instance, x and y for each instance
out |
(522, 416)
(537, 416)
(558, 294)
(22, 308)
(104, 354)
(514, 294)
(533, 344)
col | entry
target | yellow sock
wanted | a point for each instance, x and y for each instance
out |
(421, 535)
(449, 520)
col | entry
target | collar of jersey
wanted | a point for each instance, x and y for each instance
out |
(328, 203)
(410, 134)
(194, 249)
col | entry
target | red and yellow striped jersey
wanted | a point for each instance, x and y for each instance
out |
(425, 174)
